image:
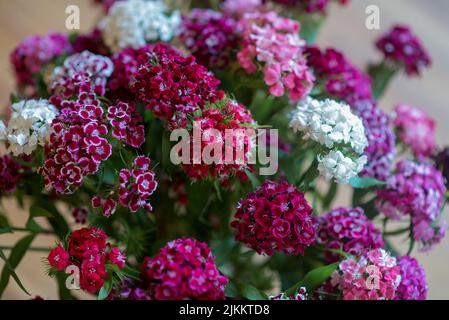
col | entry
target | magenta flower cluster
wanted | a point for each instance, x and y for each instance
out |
(184, 269)
(349, 230)
(401, 46)
(124, 120)
(373, 276)
(210, 36)
(413, 284)
(275, 218)
(309, 6)
(173, 86)
(272, 42)
(415, 129)
(416, 190)
(10, 173)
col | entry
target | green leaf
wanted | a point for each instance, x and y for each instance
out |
(11, 263)
(36, 211)
(252, 293)
(131, 272)
(105, 289)
(231, 290)
(366, 182)
(254, 181)
(313, 279)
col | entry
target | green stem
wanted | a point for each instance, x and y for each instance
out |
(43, 231)
(36, 249)
(381, 74)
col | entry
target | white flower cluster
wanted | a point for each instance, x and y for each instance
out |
(29, 125)
(133, 23)
(334, 126)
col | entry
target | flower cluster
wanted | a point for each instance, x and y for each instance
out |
(108, 206)
(133, 23)
(238, 8)
(214, 124)
(80, 215)
(373, 276)
(124, 120)
(413, 284)
(338, 130)
(416, 190)
(273, 42)
(184, 269)
(173, 85)
(401, 46)
(415, 129)
(347, 229)
(10, 173)
(309, 6)
(300, 295)
(210, 36)
(137, 185)
(33, 53)
(275, 218)
(89, 250)
(92, 42)
(81, 70)
(442, 163)
(28, 127)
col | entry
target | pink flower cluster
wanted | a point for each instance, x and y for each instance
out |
(347, 229)
(275, 218)
(34, 52)
(184, 269)
(89, 250)
(214, 123)
(373, 276)
(108, 206)
(10, 173)
(173, 85)
(124, 119)
(274, 43)
(416, 190)
(415, 129)
(80, 70)
(137, 185)
(210, 36)
(77, 145)
(310, 6)
(401, 46)
(413, 280)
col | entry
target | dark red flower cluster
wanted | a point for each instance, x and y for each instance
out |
(80, 215)
(184, 269)
(92, 42)
(89, 250)
(347, 229)
(402, 46)
(108, 205)
(137, 185)
(213, 124)
(210, 36)
(173, 85)
(124, 119)
(340, 78)
(10, 173)
(77, 144)
(275, 218)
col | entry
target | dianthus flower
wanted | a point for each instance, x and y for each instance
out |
(124, 118)
(80, 215)
(133, 23)
(401, 46)
(78, 70)
(10, 173)
(214, 124)
(373, 276)
(275, 218)
(137, 185)
(184, 269)
(130, 289)
(92, 42)
(28, 127)
(210, 36)
(309, 6)
(238, 8)
(416, 190)
(300, 295)
(413, 280)
(89, 250)
(274, 42)
(347, 229)
(173, 85)
(108, 205)
(415, 129)
(338, 130)
(34, 52)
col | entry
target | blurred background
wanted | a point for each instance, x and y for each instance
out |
(344, 29)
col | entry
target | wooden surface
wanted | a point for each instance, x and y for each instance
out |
(345, 29)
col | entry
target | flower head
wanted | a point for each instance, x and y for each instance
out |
(275, 218)
(10, 173)
(413, 284)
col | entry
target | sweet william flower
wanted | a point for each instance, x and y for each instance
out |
(335, 165)
(413, 284)
(80, 215)
(58, 258)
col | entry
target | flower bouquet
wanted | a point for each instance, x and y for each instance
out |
(195, 149)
